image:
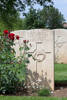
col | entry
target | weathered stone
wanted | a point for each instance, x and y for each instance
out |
(42, 49)
(61, 45)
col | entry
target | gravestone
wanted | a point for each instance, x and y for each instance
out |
(41, 70)
(60, 45)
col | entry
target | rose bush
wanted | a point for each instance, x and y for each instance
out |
(12, 69)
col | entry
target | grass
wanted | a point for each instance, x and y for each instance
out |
(29, 98)
(61, 72)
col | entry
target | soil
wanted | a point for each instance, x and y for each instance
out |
(60, 90)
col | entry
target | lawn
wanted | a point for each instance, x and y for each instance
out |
(61, 72)
(29, 98)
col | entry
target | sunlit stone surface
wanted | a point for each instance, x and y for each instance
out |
(40, 71)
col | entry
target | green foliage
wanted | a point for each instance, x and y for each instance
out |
(12, 69)
(48, 17)
(9, 10)
(2, 26)
(11, 23)
(9, 13)
(54, 18)
(44, 92)
(19, 24)
(33, 20)
(8, 79)
(12, 6)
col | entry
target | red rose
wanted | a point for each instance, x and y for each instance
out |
(6, 32)
(17, 37)
(11, 36)
(24, 41)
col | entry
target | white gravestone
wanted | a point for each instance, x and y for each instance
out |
(40, 70)
(60, 45)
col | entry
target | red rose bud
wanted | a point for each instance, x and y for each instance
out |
(17, 37)
(11, 36)
(6, 32)
(24, 41)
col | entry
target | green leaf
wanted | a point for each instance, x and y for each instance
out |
(21, 48)
(26, 48)
(29, 55)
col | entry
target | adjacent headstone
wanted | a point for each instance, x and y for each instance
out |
(41, 70)
(60, 45)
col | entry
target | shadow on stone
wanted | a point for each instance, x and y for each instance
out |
(35, 81)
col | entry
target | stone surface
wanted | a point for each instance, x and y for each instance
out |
(40, 71)
(60, 45)
(60, 41)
